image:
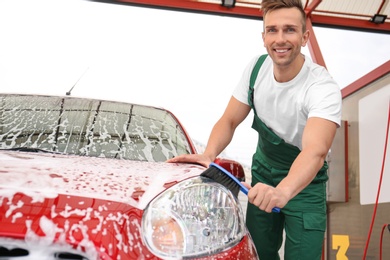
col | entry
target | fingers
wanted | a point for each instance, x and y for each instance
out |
(246, 185)
(190, 158)
(266, 197)
(180, 158)
(184, 158)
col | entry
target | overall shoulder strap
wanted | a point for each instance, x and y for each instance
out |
(254, 73)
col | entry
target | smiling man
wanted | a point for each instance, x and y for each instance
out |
(297, 109)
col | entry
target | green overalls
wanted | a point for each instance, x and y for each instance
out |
(303, 217)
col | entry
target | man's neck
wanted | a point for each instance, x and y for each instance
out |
(289, 72)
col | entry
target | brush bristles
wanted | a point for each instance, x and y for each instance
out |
(220, 177)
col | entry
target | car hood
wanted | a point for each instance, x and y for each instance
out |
(46, 175)
(53, 202)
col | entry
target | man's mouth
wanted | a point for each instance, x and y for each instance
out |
(281, 50)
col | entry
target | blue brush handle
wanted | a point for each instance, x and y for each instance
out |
(242, 187)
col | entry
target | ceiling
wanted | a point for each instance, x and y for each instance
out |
(341, 14)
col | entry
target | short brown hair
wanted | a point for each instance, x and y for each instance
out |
(271, 5)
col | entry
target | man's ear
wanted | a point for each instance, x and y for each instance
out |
(262, 36)
(305, 38)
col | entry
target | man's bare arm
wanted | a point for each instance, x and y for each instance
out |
(317, 139)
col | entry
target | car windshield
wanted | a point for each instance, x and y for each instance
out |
(89, 127)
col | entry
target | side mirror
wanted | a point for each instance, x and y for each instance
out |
(234, 167)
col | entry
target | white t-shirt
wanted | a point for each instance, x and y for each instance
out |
(285, 107)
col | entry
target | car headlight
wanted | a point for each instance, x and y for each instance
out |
(194, 218)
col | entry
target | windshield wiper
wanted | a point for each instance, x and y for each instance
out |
(29, 149)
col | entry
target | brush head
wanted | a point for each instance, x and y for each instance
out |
(225, 178)
(222, 178)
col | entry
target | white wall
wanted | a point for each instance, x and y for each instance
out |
(374, 111)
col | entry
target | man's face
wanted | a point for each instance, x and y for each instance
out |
(283, 36)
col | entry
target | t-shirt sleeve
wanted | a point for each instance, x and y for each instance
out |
(242, 88)
(325, 100)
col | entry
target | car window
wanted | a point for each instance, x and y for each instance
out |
(90, 127)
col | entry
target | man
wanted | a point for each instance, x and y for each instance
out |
(297, 109)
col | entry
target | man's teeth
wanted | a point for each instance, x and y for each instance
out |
(285, 50)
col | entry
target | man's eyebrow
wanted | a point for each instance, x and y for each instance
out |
(290, 25)
(284, 26)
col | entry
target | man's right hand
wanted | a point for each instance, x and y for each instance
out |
(191, 158)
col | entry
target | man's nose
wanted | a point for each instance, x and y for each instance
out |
(281, 37)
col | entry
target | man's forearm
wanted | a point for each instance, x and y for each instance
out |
(302, 172)
(219, 139)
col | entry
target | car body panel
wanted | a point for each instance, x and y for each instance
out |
(49, 195)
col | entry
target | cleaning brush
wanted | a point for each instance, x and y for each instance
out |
(225, 178)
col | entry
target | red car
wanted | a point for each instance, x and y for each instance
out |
(87, 179)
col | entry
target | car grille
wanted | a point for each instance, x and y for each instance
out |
(17, 253)
(16, 249)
